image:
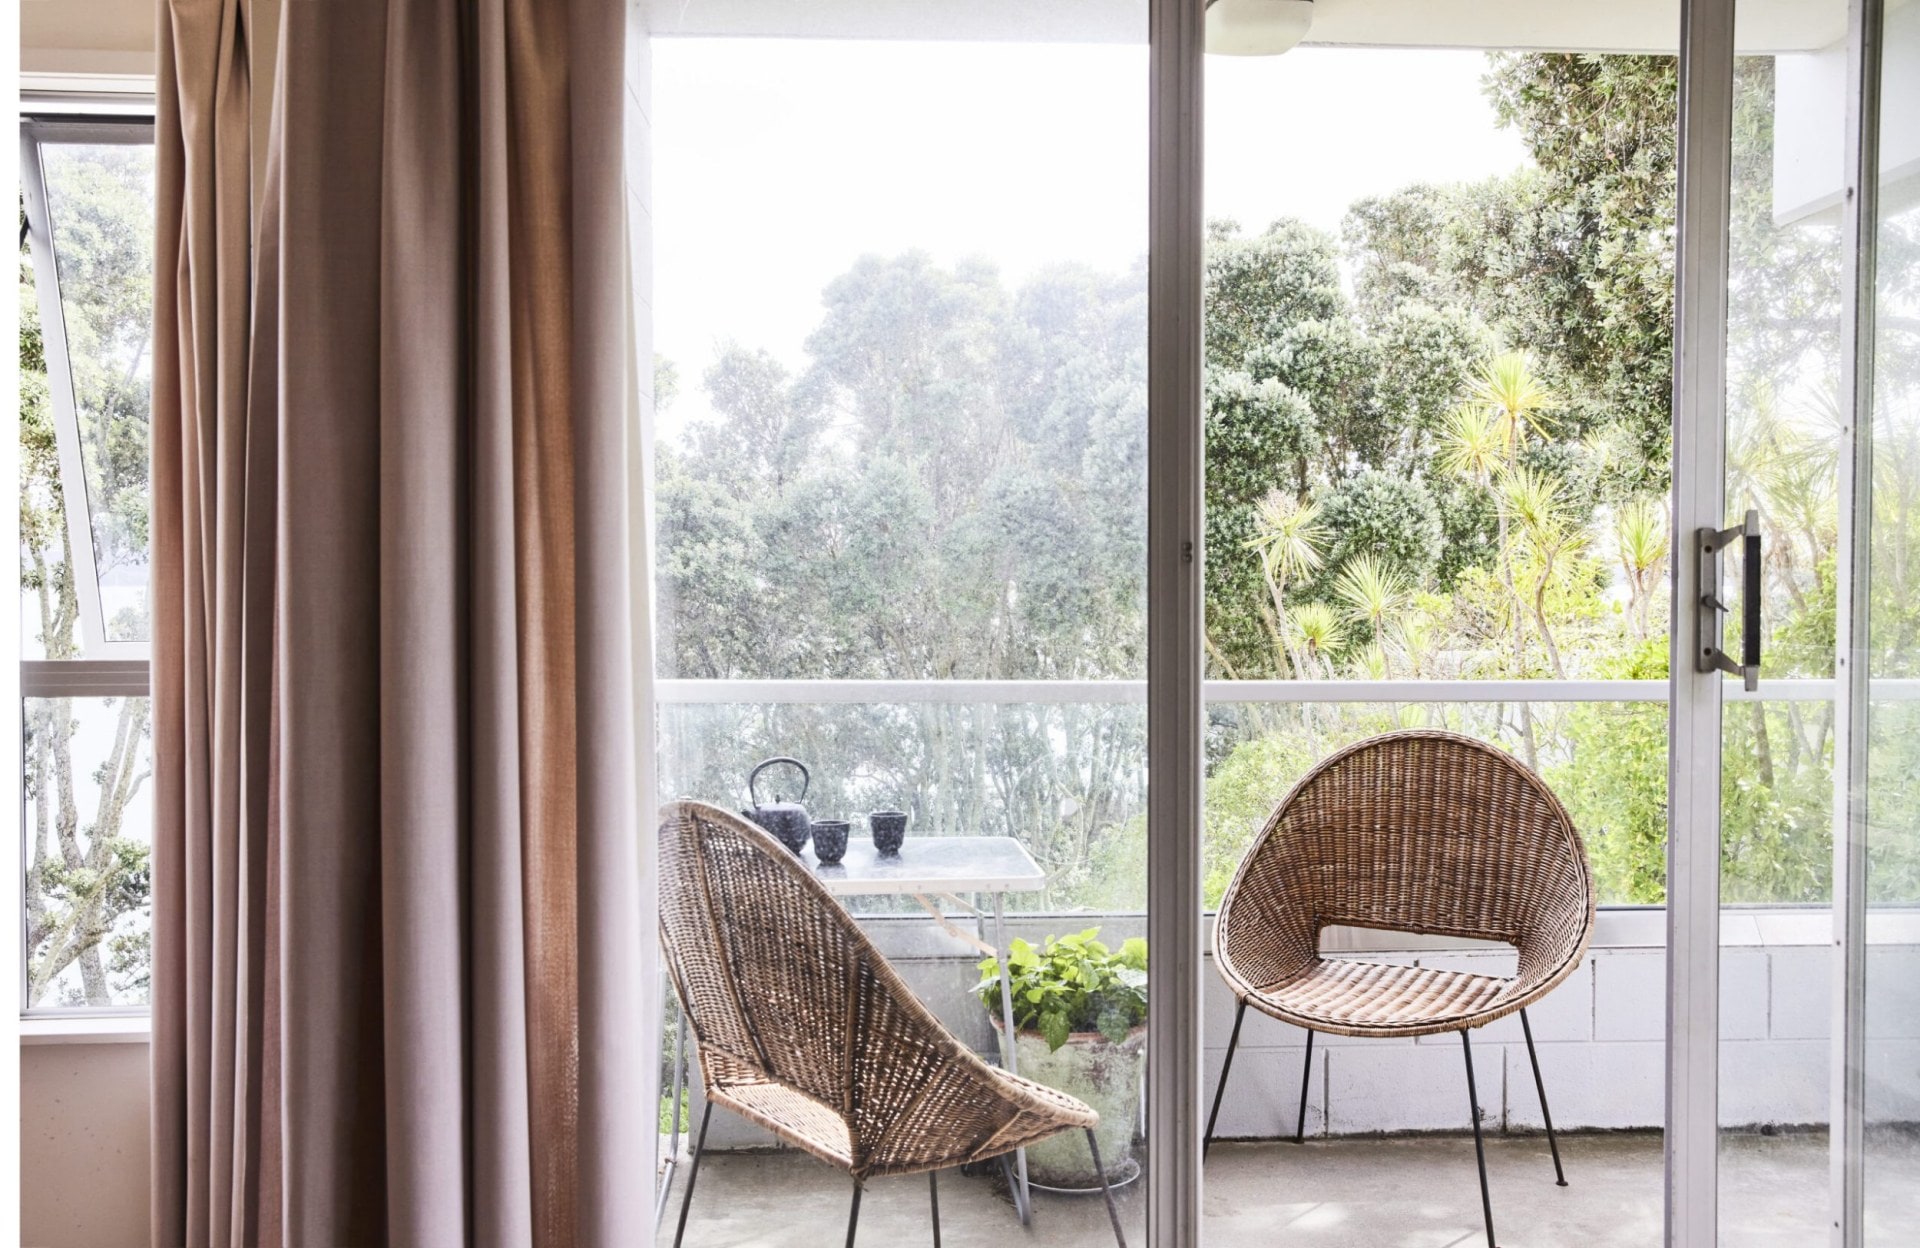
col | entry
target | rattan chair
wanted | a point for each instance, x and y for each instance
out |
(1420, 832)
(802, 1027)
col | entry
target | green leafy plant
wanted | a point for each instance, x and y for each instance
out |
(1075, 983)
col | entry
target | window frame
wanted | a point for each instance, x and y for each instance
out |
(105, 669)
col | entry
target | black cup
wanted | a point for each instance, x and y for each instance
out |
(889, 829)
(829, 840)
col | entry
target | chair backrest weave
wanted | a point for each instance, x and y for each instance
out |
(1417, 831)
(778, 981)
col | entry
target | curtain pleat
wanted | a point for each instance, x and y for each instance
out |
(399, 936)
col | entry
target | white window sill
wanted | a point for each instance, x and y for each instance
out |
(79, 1029)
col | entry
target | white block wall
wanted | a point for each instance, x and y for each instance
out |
(1600, 1035)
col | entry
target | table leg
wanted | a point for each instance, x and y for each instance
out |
(1009, 1052)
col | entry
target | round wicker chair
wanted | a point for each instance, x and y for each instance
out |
(802, 1027)
(1421, 832)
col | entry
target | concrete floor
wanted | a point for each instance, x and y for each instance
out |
(1418, 1192)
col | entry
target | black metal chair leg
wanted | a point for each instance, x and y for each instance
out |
(933, 1193)
(1546, 1115)
(853, 1218)
(1206, 1141)
(1306, 1081)
(1479, 1149)
(1022, 1207)
(1106, 1190)
(693, 1175)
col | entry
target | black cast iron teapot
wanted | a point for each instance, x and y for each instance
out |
(786, 820)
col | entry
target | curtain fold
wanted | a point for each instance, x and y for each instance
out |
(399, 940)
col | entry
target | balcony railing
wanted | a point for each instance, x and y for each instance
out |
(680, 691)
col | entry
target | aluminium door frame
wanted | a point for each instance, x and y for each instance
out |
(1694, 705)
(1176, 716)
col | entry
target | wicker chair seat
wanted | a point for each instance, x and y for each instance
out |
(1416, 831)
(1378, 999)
(805, 1123)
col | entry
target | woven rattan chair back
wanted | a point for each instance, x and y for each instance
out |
(769, 965)
(1418, 831)
(785, 994)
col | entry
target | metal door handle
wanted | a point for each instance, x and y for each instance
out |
(1708, 656)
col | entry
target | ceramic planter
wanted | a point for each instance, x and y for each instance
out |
(1107, 1077)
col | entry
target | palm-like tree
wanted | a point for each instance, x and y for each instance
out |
(1549, 535)
(1641, 541)
(1287, 534)
(1471, 446)
(1506, 404)
(1508, 389)
(1373, 591)
(1316, 634)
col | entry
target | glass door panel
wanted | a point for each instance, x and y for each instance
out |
(1439, 286)
(1783, 451)
(1889, 1012)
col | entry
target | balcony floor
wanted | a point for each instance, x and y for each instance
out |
(1410, 1192)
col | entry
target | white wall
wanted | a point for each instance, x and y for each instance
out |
(1810, 117)
(84, 1153)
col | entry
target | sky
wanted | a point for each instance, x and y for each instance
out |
(777, 163)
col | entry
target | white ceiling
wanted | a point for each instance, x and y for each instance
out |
(1597, 25)
(87, 36)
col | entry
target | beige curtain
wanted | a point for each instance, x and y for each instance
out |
(398, 955)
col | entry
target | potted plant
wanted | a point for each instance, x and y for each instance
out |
(1079, 1015)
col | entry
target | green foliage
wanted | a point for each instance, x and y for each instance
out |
(1614, 783)
(1075, 983)
(1391, 518)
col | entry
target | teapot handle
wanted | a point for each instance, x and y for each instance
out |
(806, 777)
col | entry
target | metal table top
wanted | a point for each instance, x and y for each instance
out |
(932, 864)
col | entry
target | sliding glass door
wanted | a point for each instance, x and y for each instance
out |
(1041, 406)
(1792, 1081)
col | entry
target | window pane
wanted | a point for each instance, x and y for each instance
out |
(1067, 780)
(1891, 1009)
(49, 613)
(1438, 370)
(1776, 790)
(900, 316)
(1438, 404)
(902, 423)
(101, 205)
(89, 816)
